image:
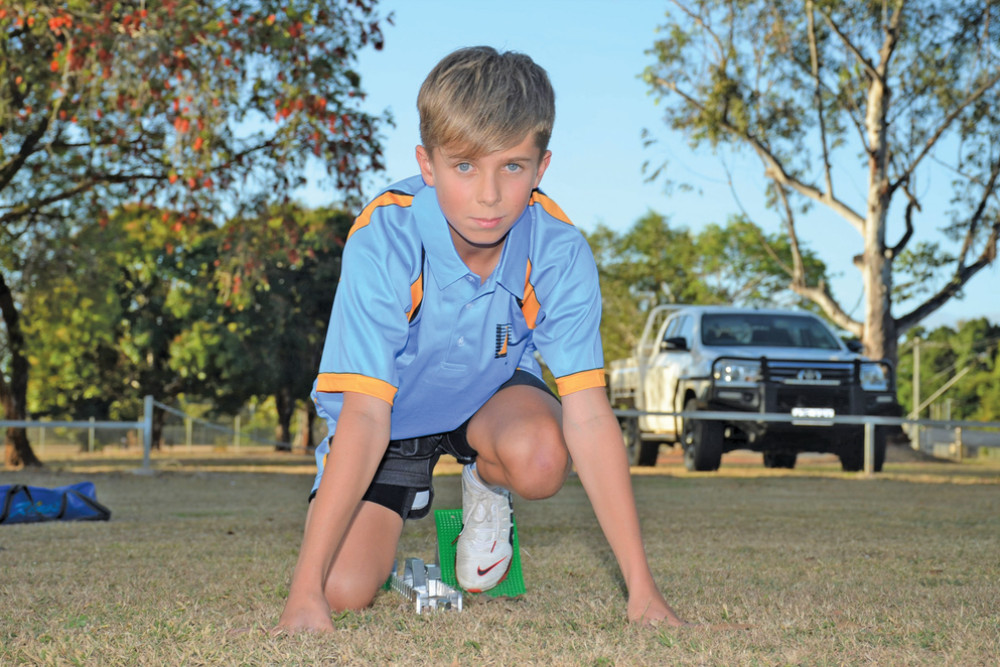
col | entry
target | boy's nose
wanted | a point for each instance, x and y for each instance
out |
(489, 190)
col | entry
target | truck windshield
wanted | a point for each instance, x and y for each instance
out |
(746, 329)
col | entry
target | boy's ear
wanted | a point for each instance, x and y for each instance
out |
(543, 164)
(426, 168)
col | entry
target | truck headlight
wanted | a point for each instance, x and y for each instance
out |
(738, 372)
(873, 378)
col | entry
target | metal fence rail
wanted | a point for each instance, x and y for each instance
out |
(955, 426)
(868, 421)
(145, 426)
(236, 432)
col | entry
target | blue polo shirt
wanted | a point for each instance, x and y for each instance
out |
(412, 325)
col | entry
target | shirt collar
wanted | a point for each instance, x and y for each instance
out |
(448, 266)
(434, 234)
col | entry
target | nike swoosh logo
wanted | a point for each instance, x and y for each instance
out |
(483, 571)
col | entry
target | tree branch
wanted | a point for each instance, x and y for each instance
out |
(9, 170)
(23, 210)
(961, 277)
(798, 272)
(820, 295)
(701, 22)
(757, 232)
(818, 94)
(774, 169)
(945, 124)
(908, 216)
(867, 64)
(973, 224)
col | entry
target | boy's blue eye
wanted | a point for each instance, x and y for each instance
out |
(513, 166)
(463, 167)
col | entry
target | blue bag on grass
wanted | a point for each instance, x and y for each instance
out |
(31, 504)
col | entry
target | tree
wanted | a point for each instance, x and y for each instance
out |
(101, 328)
(653, 263)
(266, 340)
(197, 107)
(819, 89)
(961, 361)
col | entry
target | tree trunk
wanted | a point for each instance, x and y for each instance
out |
(159, 418)
(880, 328)
(14, 397)
(305, 436)
(285, 405)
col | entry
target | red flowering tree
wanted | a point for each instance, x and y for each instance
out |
(199, 107)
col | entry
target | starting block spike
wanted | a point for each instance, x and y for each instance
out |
(449, 525)
(422, 585)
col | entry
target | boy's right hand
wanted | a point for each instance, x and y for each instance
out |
(307, 615)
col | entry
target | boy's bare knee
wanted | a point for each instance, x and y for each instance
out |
(350, 596)
(541, 469)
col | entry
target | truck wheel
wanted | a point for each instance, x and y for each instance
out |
(702, 440)
(780, 459)
(639, 452)
(852, 451)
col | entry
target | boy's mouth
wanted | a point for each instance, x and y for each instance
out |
(487, 222)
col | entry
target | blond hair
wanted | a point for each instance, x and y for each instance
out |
(479, 101)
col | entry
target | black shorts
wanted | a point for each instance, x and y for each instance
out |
(405, 473)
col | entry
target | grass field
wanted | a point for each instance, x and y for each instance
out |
(810, 566)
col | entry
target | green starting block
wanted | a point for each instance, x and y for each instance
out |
(449, 525)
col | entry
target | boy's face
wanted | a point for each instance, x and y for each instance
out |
(482, 197)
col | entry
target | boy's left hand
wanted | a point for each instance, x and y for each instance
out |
(652, 610)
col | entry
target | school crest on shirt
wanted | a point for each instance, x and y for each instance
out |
(504, 333)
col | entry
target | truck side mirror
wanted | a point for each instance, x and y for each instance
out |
(855, 345)
(674, 343)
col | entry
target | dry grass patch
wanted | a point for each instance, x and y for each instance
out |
(809, 567)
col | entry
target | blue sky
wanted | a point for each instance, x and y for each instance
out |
(594, 52)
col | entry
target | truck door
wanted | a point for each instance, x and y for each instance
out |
(661, 379)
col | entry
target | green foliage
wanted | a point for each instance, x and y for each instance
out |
(918, 268)
(264, 338)
(205, 109)
(134, 309)
(100, 327)
(972, 349)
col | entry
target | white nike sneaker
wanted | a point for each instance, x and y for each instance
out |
(485, 545)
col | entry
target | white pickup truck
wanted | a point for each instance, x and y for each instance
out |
(728, 359)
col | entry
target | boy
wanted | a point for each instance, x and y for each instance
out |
(451, 281)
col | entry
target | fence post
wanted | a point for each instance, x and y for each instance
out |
(147, 431)
(188, 427)
(869, 448)
(236, 433)
(90, 436)
(959, 447)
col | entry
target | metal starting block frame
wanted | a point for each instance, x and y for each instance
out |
(422, 585)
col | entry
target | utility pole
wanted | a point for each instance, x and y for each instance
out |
(915, 412)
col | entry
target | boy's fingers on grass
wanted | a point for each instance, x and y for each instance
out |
(727, 626)
(246, 630)
(282, 630)
(665, 622)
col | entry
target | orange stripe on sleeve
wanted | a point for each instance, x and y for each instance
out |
(582, 380)
(385, 199)
(337, 382)
(550, 206)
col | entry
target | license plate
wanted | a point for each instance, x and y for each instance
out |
(814, 415)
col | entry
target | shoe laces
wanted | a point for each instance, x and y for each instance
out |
(484, 520)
